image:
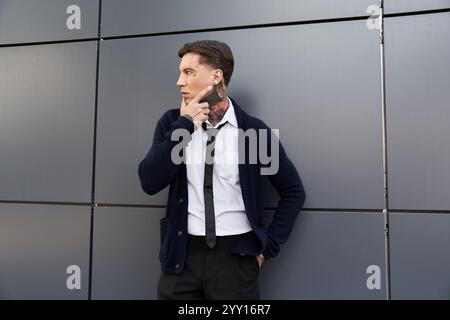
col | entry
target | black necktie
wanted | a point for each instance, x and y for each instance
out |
(210, 217)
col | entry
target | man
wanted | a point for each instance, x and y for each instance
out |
(213, 242)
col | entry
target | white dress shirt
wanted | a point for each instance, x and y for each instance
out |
(229, 208)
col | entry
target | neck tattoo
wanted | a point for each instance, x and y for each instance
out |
(217, 111)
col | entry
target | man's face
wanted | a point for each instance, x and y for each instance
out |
(194, 76)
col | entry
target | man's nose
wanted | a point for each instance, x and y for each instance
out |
(180, 81)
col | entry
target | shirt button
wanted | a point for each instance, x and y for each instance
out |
(180, 233)
(180, 200)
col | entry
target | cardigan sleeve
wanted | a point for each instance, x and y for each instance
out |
(157, 169)
(289, 186)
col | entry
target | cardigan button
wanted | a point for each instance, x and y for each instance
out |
(179, 233)
(180, 200)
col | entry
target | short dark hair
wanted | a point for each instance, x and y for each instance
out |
(214, 53)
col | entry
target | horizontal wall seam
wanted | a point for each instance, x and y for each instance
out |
(241, 27)
(125, 205)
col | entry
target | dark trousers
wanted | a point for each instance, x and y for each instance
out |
(213, 274)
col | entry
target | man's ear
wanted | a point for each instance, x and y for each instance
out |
(218, 76)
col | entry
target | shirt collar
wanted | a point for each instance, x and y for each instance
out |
(229, 116)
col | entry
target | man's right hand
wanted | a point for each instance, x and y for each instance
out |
(198, 111)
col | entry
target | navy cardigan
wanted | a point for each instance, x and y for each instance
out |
(157, 171)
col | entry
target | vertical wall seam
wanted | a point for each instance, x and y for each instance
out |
(93, 200)
(385, 167)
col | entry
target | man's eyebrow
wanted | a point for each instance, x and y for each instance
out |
(188, 69)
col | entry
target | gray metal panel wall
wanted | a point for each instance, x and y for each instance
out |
(136, 86)
(418, 96)
(341, 147)
(45, 20)
(420, 258)
(37, 245)
(47, 122)
(414, 5)
(322, 93)
(126, 247)
(141, 16)
(327, 257)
